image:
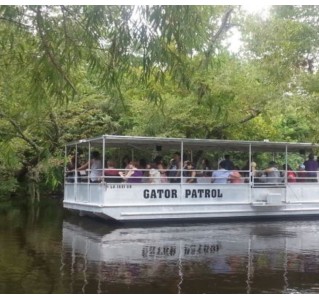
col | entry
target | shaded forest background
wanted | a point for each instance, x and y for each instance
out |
(72, 72)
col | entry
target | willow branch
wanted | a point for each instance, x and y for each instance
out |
(224, 25)
(222, 28)
(49, 51)
(15, 22)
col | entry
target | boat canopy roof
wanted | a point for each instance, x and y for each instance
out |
(196, 144)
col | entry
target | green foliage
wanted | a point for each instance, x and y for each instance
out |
(9, 164)
(72, 72)
(8, 185)
(89, 117)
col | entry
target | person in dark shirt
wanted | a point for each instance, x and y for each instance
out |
(311, 167)
(174, 173)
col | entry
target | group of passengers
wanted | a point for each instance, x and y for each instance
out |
(306, 172)
(158, 171)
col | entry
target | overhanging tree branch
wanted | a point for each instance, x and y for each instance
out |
(217, 131)
(20, 132)
(253, 114)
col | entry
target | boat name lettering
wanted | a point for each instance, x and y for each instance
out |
(119, 186)
(203, 193)
(159, 193)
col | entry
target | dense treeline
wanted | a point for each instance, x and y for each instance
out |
(70, 72)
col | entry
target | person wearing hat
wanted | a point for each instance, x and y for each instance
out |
(272, 173)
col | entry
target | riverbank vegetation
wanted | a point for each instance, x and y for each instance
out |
(72, 72)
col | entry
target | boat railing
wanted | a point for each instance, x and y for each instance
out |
(258, 177)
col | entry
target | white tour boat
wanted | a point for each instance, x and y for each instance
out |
(91, 190)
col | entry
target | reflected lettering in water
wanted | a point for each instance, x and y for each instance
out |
(170, 251)
(44, 251)
(257, 257)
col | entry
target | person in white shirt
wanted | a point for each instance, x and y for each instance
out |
(94, 166)
(154, 174)
(272, 173)
(221, 175)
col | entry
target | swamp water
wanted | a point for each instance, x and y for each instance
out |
(47, 250)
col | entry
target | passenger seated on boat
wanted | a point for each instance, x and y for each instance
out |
(160, 166)
(272, 173)
(70, 170)
(254, 175)
(311, 166)
(145, 167)
(291, 175)
(301, 173)
(189, 172)
(174, 174)
(125, 162)
(111, 173)
(94, 165)
(229, 165)
(221, 175)
(204, 174)
(172, 170)
(234, 176)
(134, 175)
(154, 174)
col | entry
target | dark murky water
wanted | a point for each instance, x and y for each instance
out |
(45, 250)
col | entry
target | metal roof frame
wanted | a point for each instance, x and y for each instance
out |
(196, 144)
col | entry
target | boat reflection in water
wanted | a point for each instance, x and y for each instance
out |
(268, 257)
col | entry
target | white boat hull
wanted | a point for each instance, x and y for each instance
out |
(135, 202)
